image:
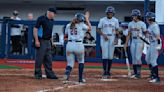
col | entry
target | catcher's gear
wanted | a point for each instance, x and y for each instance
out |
(110, 9)
(150, 15)
(136, 12)
(80, 17)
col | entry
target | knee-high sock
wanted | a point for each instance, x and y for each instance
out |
(109, 66)
(155, 70)
(68, 71)
(135, 69)
(139, 70)
(105, 62)
(151, 70)
(81, 68)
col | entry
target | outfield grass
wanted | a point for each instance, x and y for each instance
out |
(9, 67)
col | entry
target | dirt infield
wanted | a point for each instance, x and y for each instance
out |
(21, 80)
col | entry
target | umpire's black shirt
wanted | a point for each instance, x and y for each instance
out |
(47, 25)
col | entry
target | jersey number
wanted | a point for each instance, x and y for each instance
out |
(74, 31)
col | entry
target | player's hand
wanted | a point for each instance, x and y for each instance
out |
(53, 45)
(37, 44)
(105, 37)
(87, 14)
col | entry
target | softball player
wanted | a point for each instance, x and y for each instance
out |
(136, 29)
(107, 29)
(76, 31)
(152, 53)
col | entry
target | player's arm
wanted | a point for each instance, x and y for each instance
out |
(159, 42)
(35, 32)
(144, 29)
(87, 14)
(127, 40)
(157, 33)
(100, 32)
(66, 32)
(117, 27)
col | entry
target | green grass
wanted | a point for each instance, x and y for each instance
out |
(120, 67)
(9, 67)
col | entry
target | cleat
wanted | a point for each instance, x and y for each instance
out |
(104, 77)
(65, 79)
(135, 76)
(53, 77)
(150, 77)
(65, 82)
(82, 81)
(155, 80)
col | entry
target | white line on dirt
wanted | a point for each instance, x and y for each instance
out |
(63, 87)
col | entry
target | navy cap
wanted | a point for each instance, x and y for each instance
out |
(52, 10)
(15, 13)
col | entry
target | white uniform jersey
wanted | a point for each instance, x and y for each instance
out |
(137, 28)
(153, 30)
(77, 33)
(16, 31)
(108, 26)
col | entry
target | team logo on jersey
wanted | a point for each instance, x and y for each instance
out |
(108, 25)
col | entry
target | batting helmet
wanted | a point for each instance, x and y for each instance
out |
(136, 12)
(150, 15)
(110, 9)
(80, 17)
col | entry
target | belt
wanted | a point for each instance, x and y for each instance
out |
(15, 26)
(43, 39)
(109, 34)
(74, 41)
(153, 41)
(135, 37)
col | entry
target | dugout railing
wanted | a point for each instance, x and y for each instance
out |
(28, 49)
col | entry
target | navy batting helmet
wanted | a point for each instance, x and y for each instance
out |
(136, 12)
(150, 15)
(110, 9)
(80, 17)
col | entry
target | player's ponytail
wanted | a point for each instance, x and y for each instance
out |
(73, 22)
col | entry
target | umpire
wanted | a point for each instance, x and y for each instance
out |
(43, 44)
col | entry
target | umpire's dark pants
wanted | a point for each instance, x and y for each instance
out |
(43, 56)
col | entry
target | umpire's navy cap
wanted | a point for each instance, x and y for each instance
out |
(52, 10)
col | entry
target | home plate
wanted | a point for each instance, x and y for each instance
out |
(109, 79)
